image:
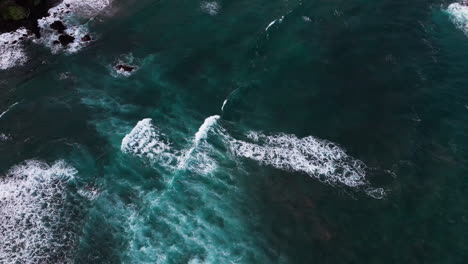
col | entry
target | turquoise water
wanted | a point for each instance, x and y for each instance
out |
(251, 132)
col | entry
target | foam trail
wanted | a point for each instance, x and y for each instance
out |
(459, 15)
(227, 99)
(317, 158)
(9, 108)
(224, 104)
(32, 197)
(279, 20)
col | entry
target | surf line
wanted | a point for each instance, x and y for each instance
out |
(279, 20)
(9, 108)
(227, 98)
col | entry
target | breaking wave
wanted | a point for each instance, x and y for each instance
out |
(320, 159)
(32, 197)
(146, 141)
(459, 15)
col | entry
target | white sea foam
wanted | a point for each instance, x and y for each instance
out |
(146, 141)
(32, 196)
(8, 109)
(89, 193)
(317, 158)
(212, 8)
(459, 15)
(4, 137)
(12, 51)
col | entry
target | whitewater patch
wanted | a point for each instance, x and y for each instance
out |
(197, 157)
(32, 197)
(12, 52)
(4, 137)
(69, 13)
(146, 141)
(211, 8)
(459, 15)
(317, 158)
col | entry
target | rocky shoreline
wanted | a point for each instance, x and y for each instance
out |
(60, 25)
(15, 14)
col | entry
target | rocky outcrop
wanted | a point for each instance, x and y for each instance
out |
(59, 26)
(124, 68)
(66, 39)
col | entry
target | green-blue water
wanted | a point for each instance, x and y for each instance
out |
(343, 137)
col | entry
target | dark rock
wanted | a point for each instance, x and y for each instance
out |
(66, 39)
(56, 42)
(123, 67)
(59, 26)
(86, 38)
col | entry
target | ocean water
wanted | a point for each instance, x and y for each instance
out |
(249, 132)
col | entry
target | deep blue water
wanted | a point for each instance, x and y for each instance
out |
(251, 132)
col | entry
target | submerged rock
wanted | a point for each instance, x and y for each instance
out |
(123, 67)
(86, 38)
(66, 39)
(58, 25)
